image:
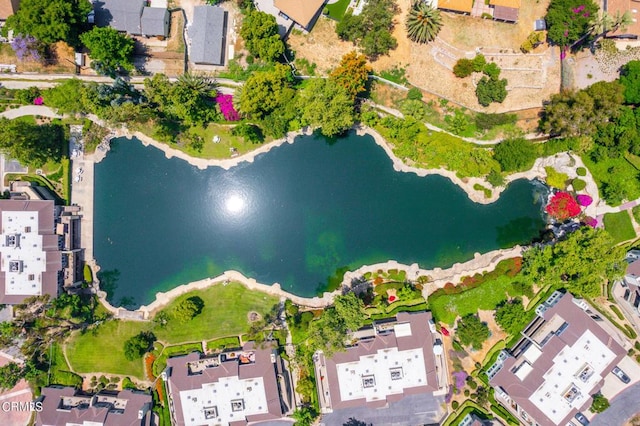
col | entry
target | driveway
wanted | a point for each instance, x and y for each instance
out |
(623, 407)
(411, 410)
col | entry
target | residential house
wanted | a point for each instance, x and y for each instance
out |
(459, 6)
(560, 361)
(8, 8)
(208, 35)
(613, 7)
(68, 406)
(133, 17)
(31, 262)
(505, 10)
(248, 385)
(384, 364)
(303, 12)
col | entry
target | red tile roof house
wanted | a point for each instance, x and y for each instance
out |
(67, 406)
(388, 362)
(561, 360)
(233, 388)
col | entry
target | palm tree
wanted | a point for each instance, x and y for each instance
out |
(423, 22)
(606, 23)
(200, 83)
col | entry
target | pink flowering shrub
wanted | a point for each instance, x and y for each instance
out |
(38, 101)
(590, 221)
(584, 200)
(562, 206)
(225, 102)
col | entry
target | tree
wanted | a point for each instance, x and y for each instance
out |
(138, 345)
(511, 316)
(569, 20)
(471, 331)
(304, 416)
(515, 154)
(329, 332)
(606, 23)
(327, 105)
(563, 206)
(580, 263)
(599, 404)
(580, 113)
(187, 309)
(423, 22)
(352, 73)
(8, 332)
(463, 68)
(265, 91)
(350, 310)
(630, 80)
(10, 374)
(109, 49)
(50, 20)
(260, 33)
(66, 97)
(491, 90)
(371, 30)
(31, 144)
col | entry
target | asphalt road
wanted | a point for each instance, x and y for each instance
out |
(623, 407)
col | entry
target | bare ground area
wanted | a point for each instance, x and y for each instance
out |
(532, 78)
(62, 60)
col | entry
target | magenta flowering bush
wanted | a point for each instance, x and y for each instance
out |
(38, 101)
(584, 200)
(590, 221)
(225, 102)
(26, 47)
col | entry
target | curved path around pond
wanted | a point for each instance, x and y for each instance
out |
(438, 277)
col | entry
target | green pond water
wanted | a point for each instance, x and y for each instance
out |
(298, 215)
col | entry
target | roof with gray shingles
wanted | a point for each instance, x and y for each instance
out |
(122, 15)
(207, 35)
(155, 21)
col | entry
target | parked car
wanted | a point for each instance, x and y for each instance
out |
(582, 419)
(620, 375)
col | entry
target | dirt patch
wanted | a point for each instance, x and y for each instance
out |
(635, 421)
(253, 316)
(62, 60)
(532, 78)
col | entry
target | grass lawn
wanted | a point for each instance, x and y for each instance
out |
(338, 9)
(60, 374)
(446, 307)
(224, 314)
(104, 352)
(619, 226)
(220, 150)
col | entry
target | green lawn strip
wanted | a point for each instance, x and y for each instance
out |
(616, 311)
(337, 9)
(224, 313)
(59, 372)
(634, 160)
(103, 351)
(223, 343)
(446, 307)
(66, 180)
(619, 226)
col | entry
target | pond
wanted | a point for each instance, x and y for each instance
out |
(299, 215)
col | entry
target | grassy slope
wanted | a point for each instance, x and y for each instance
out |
(487, 296)
(224, 314)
